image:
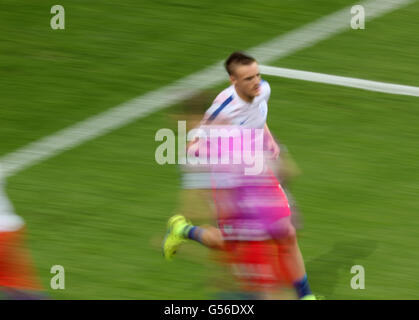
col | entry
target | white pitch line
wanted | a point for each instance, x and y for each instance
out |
(341, 81)
(142, 106)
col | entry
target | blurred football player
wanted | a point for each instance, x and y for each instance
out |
(17, 277)
(244, 104)
(252, 216)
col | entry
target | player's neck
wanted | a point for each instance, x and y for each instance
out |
(244, 97)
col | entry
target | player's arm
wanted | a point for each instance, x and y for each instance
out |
(268, 138)
(270, 142)
(288, 168)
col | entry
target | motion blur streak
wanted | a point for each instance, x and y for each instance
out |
(126, 113)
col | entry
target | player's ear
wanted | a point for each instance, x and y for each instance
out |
(232, 79)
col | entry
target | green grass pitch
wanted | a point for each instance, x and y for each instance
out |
(100, 209)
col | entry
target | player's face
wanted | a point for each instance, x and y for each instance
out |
(246, 79)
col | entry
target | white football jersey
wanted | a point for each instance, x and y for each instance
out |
(229, 106)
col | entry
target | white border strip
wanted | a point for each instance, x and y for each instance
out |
(142, 106)
(341, 81)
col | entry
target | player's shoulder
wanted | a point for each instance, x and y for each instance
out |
(265, 84)
(266, 88)
(224, 101)
(225, 97)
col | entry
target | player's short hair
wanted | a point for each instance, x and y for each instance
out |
(237, 58)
